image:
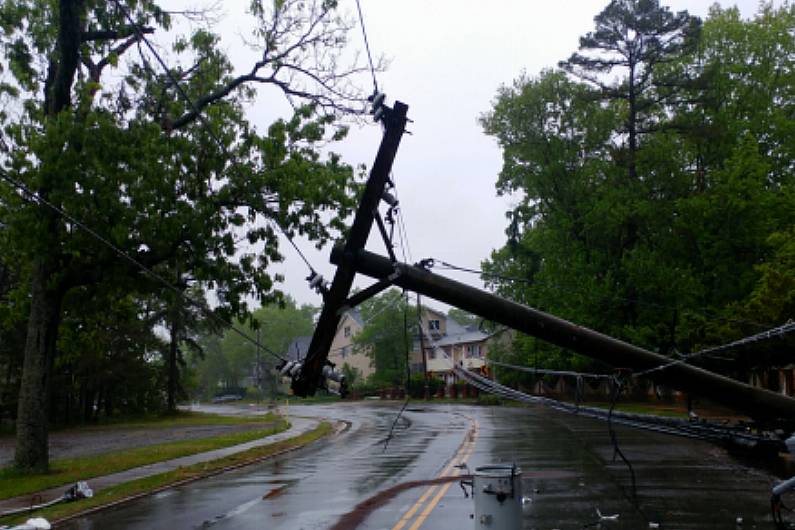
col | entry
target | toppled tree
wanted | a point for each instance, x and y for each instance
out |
(161, 165)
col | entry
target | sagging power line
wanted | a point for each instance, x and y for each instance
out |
(36, 198)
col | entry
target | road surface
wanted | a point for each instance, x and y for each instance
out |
(567, 462)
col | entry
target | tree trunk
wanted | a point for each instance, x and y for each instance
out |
(32, 428)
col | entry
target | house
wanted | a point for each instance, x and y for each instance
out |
(780, 379)
(445, 341)
(343, 350)
(298, 348)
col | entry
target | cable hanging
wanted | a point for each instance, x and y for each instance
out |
(36, 198)
(776, 332)
(367, 47)
(449, 266)
(208, 128)
(544, 371)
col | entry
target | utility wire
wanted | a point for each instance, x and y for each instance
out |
(769, 334)
(543, 371)
(505, 278)
(35, 197)
(779, 331)
(367, 47)
(199, 114)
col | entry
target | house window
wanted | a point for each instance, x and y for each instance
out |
(432, 353)
(472, 351)
(347, 331)
(433, 325)
(344, 351)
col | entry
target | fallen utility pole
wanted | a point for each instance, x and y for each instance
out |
(335, 299)
(760, 404)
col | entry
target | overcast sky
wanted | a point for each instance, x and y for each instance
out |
(447, 60)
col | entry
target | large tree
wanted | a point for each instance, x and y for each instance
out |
(162, 166)
(631, 39)
(671, 258)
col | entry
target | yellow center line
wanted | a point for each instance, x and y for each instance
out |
(463, 453)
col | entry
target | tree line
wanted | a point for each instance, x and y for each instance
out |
(655, 183)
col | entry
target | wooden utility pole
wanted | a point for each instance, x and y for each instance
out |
(758, 403)
(422, 347)
(334, 302)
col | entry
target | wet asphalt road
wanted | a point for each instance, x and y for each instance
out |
(567, 463)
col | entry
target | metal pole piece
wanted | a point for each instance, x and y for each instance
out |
(758, 403)
(259, 370)
(422, 347)
(311, 373)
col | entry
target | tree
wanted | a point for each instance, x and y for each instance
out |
(668, 259)
(384, 337)
(169, 183)
(231, 357)
(633, 36)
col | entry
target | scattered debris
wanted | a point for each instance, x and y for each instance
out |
(613, 517)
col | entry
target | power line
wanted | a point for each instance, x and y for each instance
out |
(506, 278)
(776, 332)
(367, 47)
(544, 371)
(35, 197)
(208, 128)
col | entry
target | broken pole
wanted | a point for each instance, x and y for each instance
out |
(758, 403)
(311, 373)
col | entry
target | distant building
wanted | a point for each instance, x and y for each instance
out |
(776, 379)
(446, 342)
(343, 350)
(298, 348)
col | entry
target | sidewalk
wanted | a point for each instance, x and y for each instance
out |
(298, 426)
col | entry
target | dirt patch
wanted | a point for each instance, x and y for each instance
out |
(76, 443)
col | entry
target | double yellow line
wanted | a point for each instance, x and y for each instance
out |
(461, 456)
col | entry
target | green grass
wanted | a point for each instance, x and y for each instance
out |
(68, 471)
(154, 483)
(182, 418)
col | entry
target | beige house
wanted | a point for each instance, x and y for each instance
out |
(445, 342)
(343, 350)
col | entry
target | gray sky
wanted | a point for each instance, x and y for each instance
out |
(447, 60)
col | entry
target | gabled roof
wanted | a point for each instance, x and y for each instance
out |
(356, 315)
(297, 349)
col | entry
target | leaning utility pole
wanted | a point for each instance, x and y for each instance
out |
(335, 297)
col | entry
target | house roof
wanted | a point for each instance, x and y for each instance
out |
(298, 348)
(356, 315)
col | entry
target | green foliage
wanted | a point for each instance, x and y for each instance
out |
(230, 358)
(353, 376)
(385, 338)
(417, 385)
(675, 240)
(101, 132)
(464, 318)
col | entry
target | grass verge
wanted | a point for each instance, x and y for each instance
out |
(69, 471)
(145, 486)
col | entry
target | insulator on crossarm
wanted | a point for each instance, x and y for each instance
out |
(318, 283)
(290, 369)
(377, 102)
(389, 199)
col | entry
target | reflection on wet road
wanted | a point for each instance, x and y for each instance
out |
(567, 461)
